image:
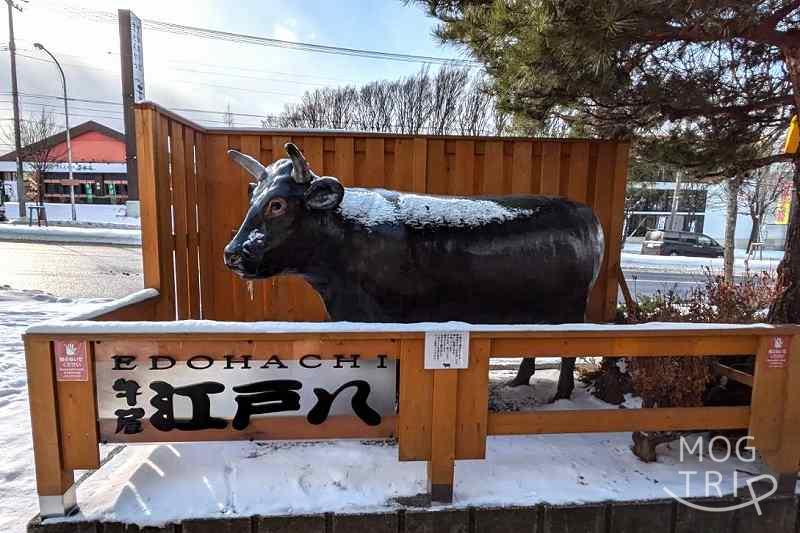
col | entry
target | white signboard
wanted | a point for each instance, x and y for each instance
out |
(199, 393)
(137, 58)
(446, 349)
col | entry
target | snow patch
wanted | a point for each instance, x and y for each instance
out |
(373, 207)
(84, 326)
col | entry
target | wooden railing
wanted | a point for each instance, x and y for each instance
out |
(443, 415)
(193, 198)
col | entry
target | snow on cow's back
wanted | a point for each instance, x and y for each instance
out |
(372, 207)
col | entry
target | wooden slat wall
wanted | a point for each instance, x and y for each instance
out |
(208, 195)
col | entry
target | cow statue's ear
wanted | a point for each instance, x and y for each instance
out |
(324, 193)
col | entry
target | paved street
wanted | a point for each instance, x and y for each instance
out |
(647, 282)
(78, 270)
(72, 270)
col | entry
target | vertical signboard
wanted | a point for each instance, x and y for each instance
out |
(132, 69)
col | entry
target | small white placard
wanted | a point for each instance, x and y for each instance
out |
(446, 349)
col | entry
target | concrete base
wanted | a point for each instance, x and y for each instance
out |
(56, 506)
(779, 515)
(132, 208)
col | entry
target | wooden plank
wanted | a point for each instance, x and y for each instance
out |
(261, 428)
(144, 310)
(733, 374)
(218, 180)
(616, 420)
(165, 229)
(192, 239)
(345, 171)
(441, 465)
(551, 168)
(312, 150)
(578, 171)
(52, 476)
(146, 141)
(462, 183)
(521, 168)
(493, 182)
(616, 210)
(785, 459)
(206, 257)
(416, 399)
(698, 345)
(473, 402)
(260, 350)
(420, 170)
(436, 169)
(374, 166)
(602, 201)
(255, 291)
(180, 215)
(767, 400)
(77, 412)
(231, 217)
(403, 172)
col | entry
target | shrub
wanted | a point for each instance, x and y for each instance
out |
(682, 381)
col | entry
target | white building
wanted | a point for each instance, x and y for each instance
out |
(701, 209)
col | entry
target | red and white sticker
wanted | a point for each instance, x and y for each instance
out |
(778, 352)
(71, 360)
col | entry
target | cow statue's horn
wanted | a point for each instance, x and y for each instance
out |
(301, 172)
(250, 164)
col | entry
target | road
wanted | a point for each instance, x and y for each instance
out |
(94, 271)
(72, 270)
(647, 282)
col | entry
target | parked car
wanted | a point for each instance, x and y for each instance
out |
(663, 242)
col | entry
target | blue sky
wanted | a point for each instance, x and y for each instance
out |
(191, 72)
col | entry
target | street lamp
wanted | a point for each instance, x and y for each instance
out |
(66, 123)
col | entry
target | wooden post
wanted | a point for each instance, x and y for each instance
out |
(443, 436)
(54, 482)
(784, 460)
(767, 404)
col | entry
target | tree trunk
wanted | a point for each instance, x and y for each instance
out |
(731, 214)
(755, 231)
(786, 307)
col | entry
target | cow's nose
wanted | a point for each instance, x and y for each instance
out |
(233, 259)
(233, 256)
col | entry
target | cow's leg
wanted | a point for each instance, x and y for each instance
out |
(566, 379)
(524, 372)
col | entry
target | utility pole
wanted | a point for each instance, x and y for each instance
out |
(15, 98)
(71, 179)
(676, 196)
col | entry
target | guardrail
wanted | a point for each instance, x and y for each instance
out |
(442, 415)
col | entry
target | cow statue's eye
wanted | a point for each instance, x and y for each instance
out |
(276, 207)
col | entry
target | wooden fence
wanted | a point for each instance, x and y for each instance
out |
(442, 415)
(194, 198)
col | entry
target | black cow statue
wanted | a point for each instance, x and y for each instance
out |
(385, 256)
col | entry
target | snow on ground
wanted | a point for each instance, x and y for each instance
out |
(152, 484)
(85, 213)
(95, 235)
(18, 309)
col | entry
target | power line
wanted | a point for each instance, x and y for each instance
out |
(241, 38)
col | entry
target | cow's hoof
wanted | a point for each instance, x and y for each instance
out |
(518, 382)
